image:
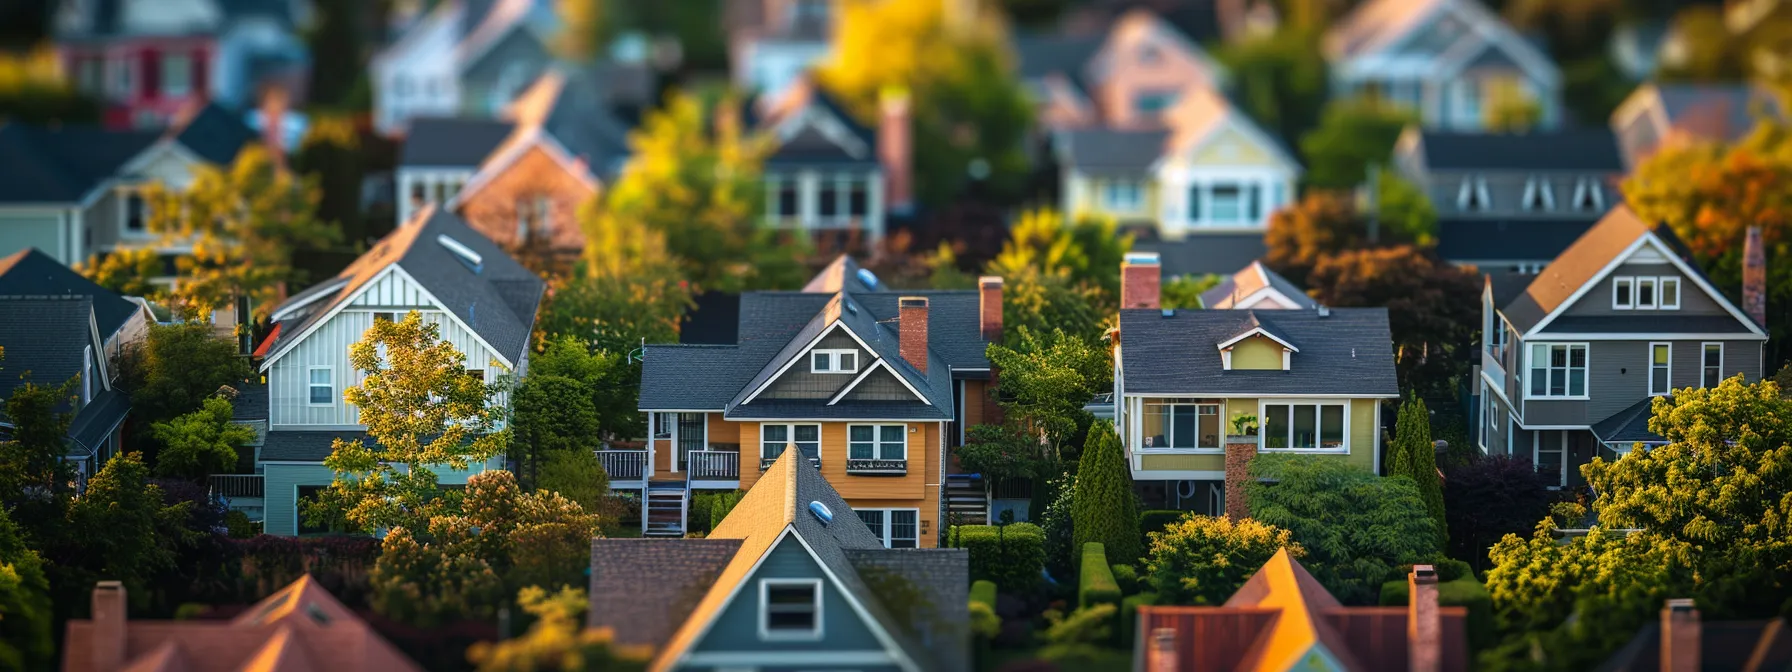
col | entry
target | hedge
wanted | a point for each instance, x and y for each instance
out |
(1013, 556)
(1127, 577)
(1156, 520)
(1464, 591)
(1095, 581)
(984, 591)
(709, 508)
(1129, 617)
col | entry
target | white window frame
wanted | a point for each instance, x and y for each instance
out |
(1667, 374)
(1705, 367)
(125, 194)
(1628, 301)
(1318, 427)
(311, 385)
(1654, 286)
(87, 374)
(1562, 464)
(769, 635)
(1661, 292)
(1539, 195)
(1530, 375)
(1243, 210)
(885, 529)
(165, 65)
(877, 441)
(1169, 428)
(790, 433)
(1122, 195)
(834, 360)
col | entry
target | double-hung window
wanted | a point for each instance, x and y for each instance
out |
(1661, 365)
(1177, 423)
(897, 528)
(774, 438)
(1646, 293)
(322, 386)
(1711, 364)
(790, 609)
(1304, 426)
(877, 442)
(833, 361)
(1558, 370)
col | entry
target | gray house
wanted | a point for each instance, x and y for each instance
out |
(1557, 383)
(464, 57)
(52, 340)
(1512, 201)
(793, 578)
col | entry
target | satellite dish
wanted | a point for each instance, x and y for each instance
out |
(822, 513)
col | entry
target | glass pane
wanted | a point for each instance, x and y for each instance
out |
(1558, 356)
(904, 529)
(1557, 382)
(893, 446)
(790, 595)
(1577, 382)
(808, 433)
(1670, 292)
(1182, 422)
(821, 361)
(1577, 357)
(1659, 355)
(320, 376)
(1622, 290)
(1538, 378)
(829, 198)
(1306, 431)
(873, 520)
(1156, 430)
(859, 433)
(849, 361)
(1275, 426)
(1227, 202)
(320, 395)
(1714, 355)
(777, 433)
(1331, 426)
(1209, 427)
(893, 433)
(776, 438)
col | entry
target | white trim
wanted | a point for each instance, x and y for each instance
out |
(729, 661)
(887, 525)
(309, 385)
(875, 364)
(285, 310)
(766, 634)
(1256, 331)
(1669, 366)
(1537, 451)
(810, 421)
(805, 350)
(1704, 345)
(1487, 383)
(1243, 395)
(1377, 429)
(833, 360)
(679, 410)
(1141, 474)
(1648, 238)
(1661, 292)
(877, 442)
(1639, 336)
(759, 448)
(1586, 369)
(436, 305)
(1629, 302)
(1263, 425)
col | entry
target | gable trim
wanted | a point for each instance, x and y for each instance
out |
(1257, 331)
(829, 125)
(390, 269)
(884, 364)
(1235, 121)
(286, 310)
(1493, 33)
(1649, 239)
(805, 351)
(497, 165)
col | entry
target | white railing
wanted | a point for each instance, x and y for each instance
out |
(714, 465)
(624, 465)
(233, 486)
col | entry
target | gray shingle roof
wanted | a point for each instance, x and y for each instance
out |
(1628, 426)
(64, 164)
(1508, 240)
(1204, 253)
(1349, 352)
(1252, 279)
(1588, 150)
(304, 446)
(31, 272)
(44, 339)
(439, 142)
(98, 419)
(214, 134)
(1106, 149)
(251, 402)
(644, 589)
(1041, 55)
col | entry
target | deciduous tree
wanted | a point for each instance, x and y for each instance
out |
(1358, 529)
(1432, 308)
(1104, 509)
(26, 619)
(1489, 498)
(557, 640)
(1047, 378)
(182, 365)
(127, 271)
(201, 443)
(1202, 560)
(1281, 79)
(33, 458)
(1352, 134)
(121, 528)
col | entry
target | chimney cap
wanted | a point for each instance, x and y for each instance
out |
(115, 585)
(1680, 604)
(1424, 573)
(912, 302)
(1140, 259)
(990, 281)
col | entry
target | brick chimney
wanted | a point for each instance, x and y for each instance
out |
(1424, 626)
(1140, 273)
(1680, 636)
(108, 625)
(1754, 277)
(911, 312)
(1161, 654)
(989, 307)
(895, 150)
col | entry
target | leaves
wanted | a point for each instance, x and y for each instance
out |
(1202, 560)
(1414, 456)
(557, 640)
(1104, 509)
(1433, 308)
(201, 443)
(1358, 529)
(1045, 380)
(1489, 498)
(1352, 134)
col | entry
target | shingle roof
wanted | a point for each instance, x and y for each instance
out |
(304, 446)
(1204, 253)
(1628, 426)
(452, 142)
(31, 272)
(644, 589)
(64, 164)
(1508, 240)
(1041, 55)
(1250, 280)
(251, 402)
(1507, 285)
(1108, 149)
(811, 147)
(98, 419)
(1723, 645)
(1574, 267)
(1589, 150)
(1348, 352)
(44, 339)
(214, 134)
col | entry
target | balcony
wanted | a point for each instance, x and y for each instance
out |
(871, 467)
(624, 465)
(226, 487)
(713, 465)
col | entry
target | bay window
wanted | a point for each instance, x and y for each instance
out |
(1176, 423)
(1558, 370)
(1304, 426)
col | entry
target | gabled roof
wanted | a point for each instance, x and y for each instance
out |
(213, 134)
(31, 272)
(1582, 150)
(570, 105)
(811, 127)
(1041, 55)
(497, 300)
(1248, 283)
(1523, 240)
(1628, 426)
(44, 339)
(842, 274)
(1375, 26)
(451, 142)
(1201, 113)
(41, 165)
(843, 312)
(1346, 352)
(1112, 149)
(1715, 112)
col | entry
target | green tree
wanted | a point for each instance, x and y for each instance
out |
(1202, 560)
(1352, 134)
(128, 271)
(1433, 308)
(578, 476)
(1414, 456)
(1047, 378)
(182, 365)
(120, 528)
(1281, 79)
(1358, 529)
(1061, 273)
(26, 618)
(551, 414)
(243, 224)
(1184, 291)
(1003, 452)
(1104, 509)
(558, 640)
(609, 378)
(948, 63)
(201, 443)
(33, 457)
(422, 584)
(33, 90)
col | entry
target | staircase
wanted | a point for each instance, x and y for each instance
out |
(663, 514)
(967, 500)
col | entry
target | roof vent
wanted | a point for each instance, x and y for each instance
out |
(465, 254)
(1325, 312)
(822, 512)
(1169, 312)
(848, 305)
(867, 277)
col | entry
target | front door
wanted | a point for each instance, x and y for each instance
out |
(691, 430)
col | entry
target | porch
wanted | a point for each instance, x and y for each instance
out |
(717, 467)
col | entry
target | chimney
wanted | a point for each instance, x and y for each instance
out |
(273, 124)
(895, 150)
(989, 307)
(1424, 626)
(1754, 277)
(1161, 656)
(1680, 636)
(911, 312)
(108, 625)
(1140, 274)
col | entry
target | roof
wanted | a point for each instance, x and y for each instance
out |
(809, 145)
(452, 142)
(570, 105)
(63, 164)
(1628, 426)
(1204, 253)
(1375, 24)
(1526, 240)
(644, 589)
(44, 339)
(843, 273)
(1574, 267)
(1041, 55)
(250, 403)
(497, 299)
(1109, 149)
(31, 272)
(300, 628)
(1507, 285)
(304, 446)
(1722, 112)
(1250, 280)
(1347, 352)
(213, 134)
(1724, 646)
(98, 419)
(1587, 150)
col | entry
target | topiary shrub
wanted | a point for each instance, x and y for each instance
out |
(1010, 555)
(1104, 508)
(984, 621)
(1095, 582)
(1127, 577)
(1129, 616)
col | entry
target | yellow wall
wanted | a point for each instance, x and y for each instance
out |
(1184, 462)
(1363, 431)
(1257, 353)
(1230, 148)
(919, 488)
(1086, 197)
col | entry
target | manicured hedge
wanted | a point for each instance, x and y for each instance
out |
(1013, 556)
(1156, 520)
(1129, 617)
(1095, 583)
(1127, 578)
(1464, 591)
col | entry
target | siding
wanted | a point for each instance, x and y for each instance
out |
(736, 628)
(919, 488)
(1598, 301)
(799, 383)
(283, 480)
(492, 210)
(1618, 377)
(881, 386)
(39, 229)
(1231, 148)
(1085, 196)
(1257, 353)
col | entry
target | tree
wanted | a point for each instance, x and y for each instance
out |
(1184, 291)
(557, 640)
(33, 458)
(1489, 498)
(1046, 379)
(1201, 560)
(1086, 249)
(1433, 308)
(1003, 452)
(26, 618)
(422, 411)
(1281, 79)
(331, 156)
(552, 414)
(1352, 134)
(1415, 456)
(1104, 509)
(127, 271)
(1358, 529)
(1321, 224)
(243, 225)
(969, 115)
(423, 585)
(182, 366)
(33, 89)
(1709, 51)
(121, 528)
(577, 476)
(609, 380)
(1511, 108)
(201, 443)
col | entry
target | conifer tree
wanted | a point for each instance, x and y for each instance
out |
(1415, 457)
(1103, 508)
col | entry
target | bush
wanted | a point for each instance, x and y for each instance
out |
(984, 621)
(1464, 591)
(1156, 520)
(1127, 577)
(1358, 529)
(1075, 638)
(1104, 508)
(709, 508)
(1202, 560)
(721, 506)
(238, 526)
(1489, 498)
(1010, 555)
(1095, 583)
(1057, 525)
(1129, 616)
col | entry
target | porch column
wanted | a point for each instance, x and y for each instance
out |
(647, 470)
(673, 461)
(1239, 452)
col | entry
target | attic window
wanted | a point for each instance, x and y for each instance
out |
(1538, 195)
(833, 361)
(790, 609)
(1472, 196)
(465, 254)
(1588, 196)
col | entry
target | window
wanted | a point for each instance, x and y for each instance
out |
(1489, 414)
(858, 198)
(877, 442)
(135, 213)
(1303, 427)
(1228, 203)
(1549, 453)
(1252, 208)
(1194, 203)
(1645, 293)
(385, 317)
(87, 75)
(774, 438)
(828, 199)
(1661, 359)
(783, 197)
(1588, 196)
(1468, 99)
(1711, 364)
(322, 386)
(1623, 293)
(531, 216)
(177, 75)
(662, 425)
(121, 77)
(1538, 195)
(1179, 424)
(1558, 370)
(1670, 293)
(1472, 195)
(790, 609)
(833, 361)
(1152, 102)
(898, 528)
(1121, 195)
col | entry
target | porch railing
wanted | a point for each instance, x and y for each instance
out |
(234, 486)
(714, 465)
(624, 465)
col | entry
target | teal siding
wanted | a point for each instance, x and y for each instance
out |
(737, 628)
(40, 230)
(282, 483)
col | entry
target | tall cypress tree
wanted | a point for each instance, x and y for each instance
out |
(1415, 457)
(1103, 508)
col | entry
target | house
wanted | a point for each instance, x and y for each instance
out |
(872, 386)
(1453, 62)
(1511, 200)
(829, 175)
(771, 43)
(1282, 619)
(1198, 393)
(483, 301)
(121, 322)
(1681, 640)
(54, 339)
(1658, 115)
(791, 577)
(1203, 21)
(463, 58)
(1256, 287)
(74, 191)
(1212, 171)
(298, 629)
(1555, 382)
(147, 60)
(1125, 79)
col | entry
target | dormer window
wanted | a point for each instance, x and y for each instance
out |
(833, 361)
(789, 609)
(1588, 196)
(1538, 195)
(1472, 196)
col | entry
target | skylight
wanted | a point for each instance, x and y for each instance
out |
(465, 254)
